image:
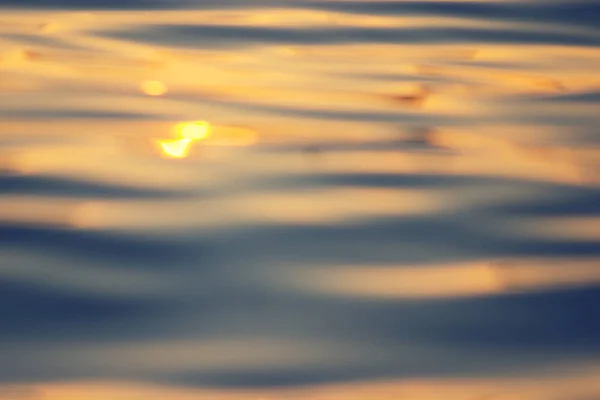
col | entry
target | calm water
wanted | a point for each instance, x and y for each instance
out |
(324, 199)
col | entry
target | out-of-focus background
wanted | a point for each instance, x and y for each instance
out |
(302, 199)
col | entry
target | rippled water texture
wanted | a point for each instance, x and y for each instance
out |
(321, 199)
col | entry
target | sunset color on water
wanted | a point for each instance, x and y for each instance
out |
(299, 199)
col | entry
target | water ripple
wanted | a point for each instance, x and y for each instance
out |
(258, 199)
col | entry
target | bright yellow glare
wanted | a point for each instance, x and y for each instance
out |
(193, 130)
(175, 148)
(187, 133)
(154, 88)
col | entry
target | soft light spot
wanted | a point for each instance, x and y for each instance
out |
(154, 88)
(193, 130)
(175, 148)
(233, 136)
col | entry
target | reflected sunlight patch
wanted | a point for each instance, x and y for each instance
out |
(211, 135)
(154, 88)
(175, 148)
(575, 382)
(402, 282)
(188, 133)
(439, 281)
(193, 130)
(232, 136)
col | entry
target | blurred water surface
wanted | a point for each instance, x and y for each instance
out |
(321, 199)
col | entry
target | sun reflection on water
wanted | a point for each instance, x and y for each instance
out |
(187, 132)
(374, 199)
(154, 88)
(193, 130)
(176, 148)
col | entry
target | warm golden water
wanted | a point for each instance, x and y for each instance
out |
(300, 200)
